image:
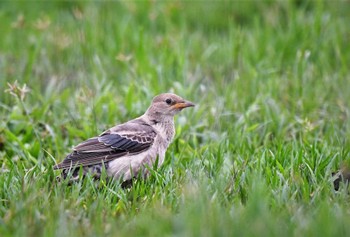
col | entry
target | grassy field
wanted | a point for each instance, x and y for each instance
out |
(254, 158)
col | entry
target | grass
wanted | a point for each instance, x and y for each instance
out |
(254, 157)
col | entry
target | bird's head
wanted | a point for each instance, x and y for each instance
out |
(167, 104)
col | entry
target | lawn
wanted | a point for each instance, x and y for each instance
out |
(255, 156)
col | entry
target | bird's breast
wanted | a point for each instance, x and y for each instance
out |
(166, 132)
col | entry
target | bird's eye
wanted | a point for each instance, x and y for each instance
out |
(168, 101)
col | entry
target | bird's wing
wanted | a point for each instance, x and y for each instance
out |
(125, 139)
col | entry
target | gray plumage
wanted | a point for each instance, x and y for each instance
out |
(127, 149)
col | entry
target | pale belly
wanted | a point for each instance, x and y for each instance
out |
(127, 167)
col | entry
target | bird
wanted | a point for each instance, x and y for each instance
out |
(341, 176)
(127, 151)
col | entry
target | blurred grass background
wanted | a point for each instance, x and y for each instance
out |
(254, 157)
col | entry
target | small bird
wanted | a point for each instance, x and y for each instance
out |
(126, 150)
(341, 176)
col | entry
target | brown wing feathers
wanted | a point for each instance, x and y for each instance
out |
(106, 147)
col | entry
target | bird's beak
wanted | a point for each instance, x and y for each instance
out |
(183, 104)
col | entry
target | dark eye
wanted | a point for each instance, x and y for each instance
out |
(168, 101)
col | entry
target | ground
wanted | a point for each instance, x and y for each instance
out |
(255, 156)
